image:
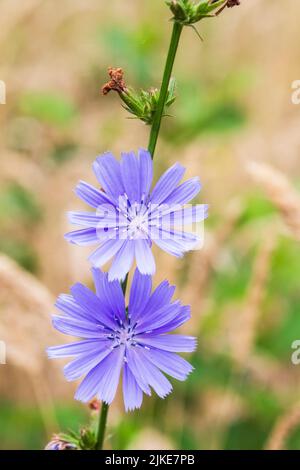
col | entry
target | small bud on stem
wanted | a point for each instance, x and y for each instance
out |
(141, 104)
(188, 13)
(59, 443)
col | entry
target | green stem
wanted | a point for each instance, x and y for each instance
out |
(102, 426)
(105, 406)
(176, 33)
(124, 284)
(177, 29)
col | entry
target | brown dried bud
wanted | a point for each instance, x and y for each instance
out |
(233, 3)
(229, 4)
(116, 82)
(94, 405)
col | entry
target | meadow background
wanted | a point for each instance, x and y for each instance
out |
(235, 126)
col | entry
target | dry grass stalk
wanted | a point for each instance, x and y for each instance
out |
(245, 324)
(203, 264)
(284, 427)
(25, 327)
(14, 12)
(280, 192)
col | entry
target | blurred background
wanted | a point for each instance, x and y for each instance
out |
(235, 126)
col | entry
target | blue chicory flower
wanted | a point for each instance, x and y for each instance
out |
(128, 216)
(115, 339)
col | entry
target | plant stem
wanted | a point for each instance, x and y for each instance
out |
(102, 426)
(176, 33)
(105, 406)
(124, 284)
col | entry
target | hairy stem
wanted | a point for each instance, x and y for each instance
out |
(176, 33)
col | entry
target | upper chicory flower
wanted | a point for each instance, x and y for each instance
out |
(129, 217)
(115, 338)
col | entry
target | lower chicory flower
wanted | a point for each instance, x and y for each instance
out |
(115, 339)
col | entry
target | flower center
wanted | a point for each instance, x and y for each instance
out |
(123, 336)
(137, 226)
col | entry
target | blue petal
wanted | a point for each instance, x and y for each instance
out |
(108, 173)
(170, 363)
(87, 236)
(83, 364)
(122, 261)
(161, 296)
(138, 373)
(179, 215)
(110, 294)
(174, 242)
(105, 252)
(154, 377)
(106, 217)
(67, 304)
(171, 343)
(185, 192)
(92, 196)
(92, 304)
(144, 257)
(102, 381)
(80, 329)
(132, 393)
(152, 319)
(130, 176)
(72, 349)
(167, 183)
(183, 316)
(139, 294)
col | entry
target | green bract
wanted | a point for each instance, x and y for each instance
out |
(143, 104)
(187, 12)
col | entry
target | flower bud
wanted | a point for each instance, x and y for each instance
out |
(58, 443)
(142, 104)
(187, 12)
(177, 9)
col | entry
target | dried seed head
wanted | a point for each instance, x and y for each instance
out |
(116, 82)
(233, 3)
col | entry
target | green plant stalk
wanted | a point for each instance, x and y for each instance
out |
(102, 426)
(155, 128)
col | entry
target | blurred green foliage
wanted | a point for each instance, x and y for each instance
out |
(31, 433)
(21, 252)
(18, 207)
(48, 107)
(17, 203)
(135, 46)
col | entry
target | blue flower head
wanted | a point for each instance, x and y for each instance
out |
(115, 339)
(129, 217)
